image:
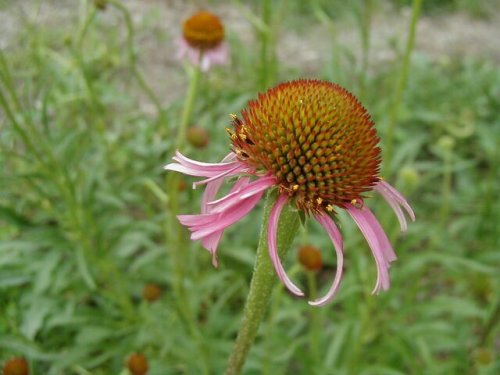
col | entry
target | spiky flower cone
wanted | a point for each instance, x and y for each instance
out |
(316, 139)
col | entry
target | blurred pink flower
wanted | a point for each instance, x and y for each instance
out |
(316, 144)
(202, 41)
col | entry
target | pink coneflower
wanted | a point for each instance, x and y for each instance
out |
(316, 144)
(203, 41)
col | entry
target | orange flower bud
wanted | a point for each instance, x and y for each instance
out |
(310, 258)
(16, 366)
(137, 364)
(197, 136)
(151, 292)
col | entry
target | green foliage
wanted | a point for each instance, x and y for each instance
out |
(84, 225)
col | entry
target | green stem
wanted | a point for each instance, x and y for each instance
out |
(447, 185)
(132, 56)
(173, 231)
(366, 20)
(265, 41)
(315, 331)
(194, 82)
(402, 81)
(490, 324)
(263, 281)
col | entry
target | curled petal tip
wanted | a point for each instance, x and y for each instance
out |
(317, 303)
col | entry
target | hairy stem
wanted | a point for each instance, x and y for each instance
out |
(261, 286)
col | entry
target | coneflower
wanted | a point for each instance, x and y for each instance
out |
(316, 145)
(203, 41)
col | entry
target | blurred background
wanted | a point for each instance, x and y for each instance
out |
(91, 96)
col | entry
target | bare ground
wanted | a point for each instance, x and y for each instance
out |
(454, 35)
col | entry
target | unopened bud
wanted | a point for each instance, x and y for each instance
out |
(151, 292)
(137, 364)
(446, 143)
(483, 356)
(310, 258)
(410, 176)
(182, 185)
(197, 137)
(16, 366)
(101, 4)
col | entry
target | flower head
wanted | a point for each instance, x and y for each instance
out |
(315, 143)
(203, 40)
(310, 258)
(16, 366)
(137, 364)
(151, 292)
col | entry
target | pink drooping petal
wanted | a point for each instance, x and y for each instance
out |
(198, 168)
(208, 227)
(215, 172)
(182, 48)
(334, 233)
(273, 245)
(218, 55)
(211, 243)
(236, 169)
(378, 242)
(242, 192)
(213, 187)
(395, 199)
(209, 206)
(224, 219)
(205, 62)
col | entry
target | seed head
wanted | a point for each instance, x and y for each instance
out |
(101, 4)
(137, 364)
(310, 258)
(197, 136)
(16, 366)
(203, 30)
(151, 292)
(316, 139)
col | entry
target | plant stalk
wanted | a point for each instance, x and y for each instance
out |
(261, 286)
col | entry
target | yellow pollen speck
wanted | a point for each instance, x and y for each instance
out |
(319, 200)
(353, 201)
(231, 133)
(295, 187)
(243, 136)
(232, 116)
(329, 208)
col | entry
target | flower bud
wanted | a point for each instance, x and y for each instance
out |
(16, 366)
(197, 137)
(410, 177)
(182, 185)
(137, 364)
(446, 143)
(101, 4)
(483, 356)
(151, 292)
(310, 258)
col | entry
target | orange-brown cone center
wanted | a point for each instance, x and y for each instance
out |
(317, 140)
(203, 30)
(16, 366)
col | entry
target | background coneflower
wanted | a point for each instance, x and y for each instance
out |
(203, 41)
